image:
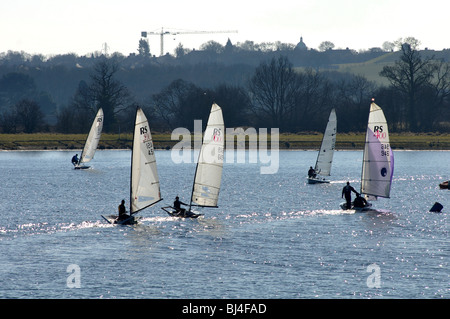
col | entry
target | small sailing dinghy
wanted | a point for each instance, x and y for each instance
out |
(92, 141)
(144, 183)
(378, 160)
(208, 174)
(325, 156)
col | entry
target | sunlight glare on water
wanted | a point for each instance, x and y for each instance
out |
(272, 236)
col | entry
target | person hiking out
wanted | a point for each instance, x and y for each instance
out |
(177, 205)
(75, 160)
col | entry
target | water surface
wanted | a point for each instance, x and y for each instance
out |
(273, 236)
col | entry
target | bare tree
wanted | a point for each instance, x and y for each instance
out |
(353, 96)
(108, 93)
(326, 45)
(168, 102)
(273, 90)
(29, 116)
(313, 98)
(388, 46)
(436, 97)
(412, 42)
(410, 75)
(8, 121)
(212, 46)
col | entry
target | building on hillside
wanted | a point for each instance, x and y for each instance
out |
(301, 46)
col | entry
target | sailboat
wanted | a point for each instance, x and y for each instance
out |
(325, 156)
(208, 174)
(378, 160)
(144, 180)
(90, 146)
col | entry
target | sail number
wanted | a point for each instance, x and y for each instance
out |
(378, 132)
(385, 149)
(145, 134)
(217, 135)
(150, 148)
(147, 139)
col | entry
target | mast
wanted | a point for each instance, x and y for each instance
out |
(131, 166)
(364, 150)
(195, 174)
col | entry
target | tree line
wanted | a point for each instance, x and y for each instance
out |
(272, 94)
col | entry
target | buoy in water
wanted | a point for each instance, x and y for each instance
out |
(437, 207)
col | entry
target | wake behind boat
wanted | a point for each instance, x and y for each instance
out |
(208, 174)
(144, 180)
(325, 156)
(92, 141)
(378, 160)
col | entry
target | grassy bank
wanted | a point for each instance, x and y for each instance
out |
(310, 140)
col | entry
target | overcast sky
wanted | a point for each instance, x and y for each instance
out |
(83, 26)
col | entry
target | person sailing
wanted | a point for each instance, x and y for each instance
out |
(122, 211)
(311, 172)
(359, 201)
(177, 205)
(347, 191)
(75, 160)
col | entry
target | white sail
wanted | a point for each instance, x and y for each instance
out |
(378, 161)
(208, 175)
(325, 156)
(145, 190)
(93, 138)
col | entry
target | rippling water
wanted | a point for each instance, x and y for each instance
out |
(273, 236)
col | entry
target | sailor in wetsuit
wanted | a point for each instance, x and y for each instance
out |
(347, 191)
(311, 172)
(359, 201)
(177, 205)
(122, 211)
(75, 160)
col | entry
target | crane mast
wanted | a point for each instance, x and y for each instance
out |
(162, 33)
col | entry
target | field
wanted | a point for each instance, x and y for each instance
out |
(309, 140)
(370, 69)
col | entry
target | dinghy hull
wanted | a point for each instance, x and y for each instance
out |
(312, 180)
(358, 209)
(113, 219)
(186, 214)
(81, 167)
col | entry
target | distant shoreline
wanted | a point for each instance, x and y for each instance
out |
(287, 141)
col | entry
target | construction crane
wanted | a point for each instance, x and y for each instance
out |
(162, 33)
